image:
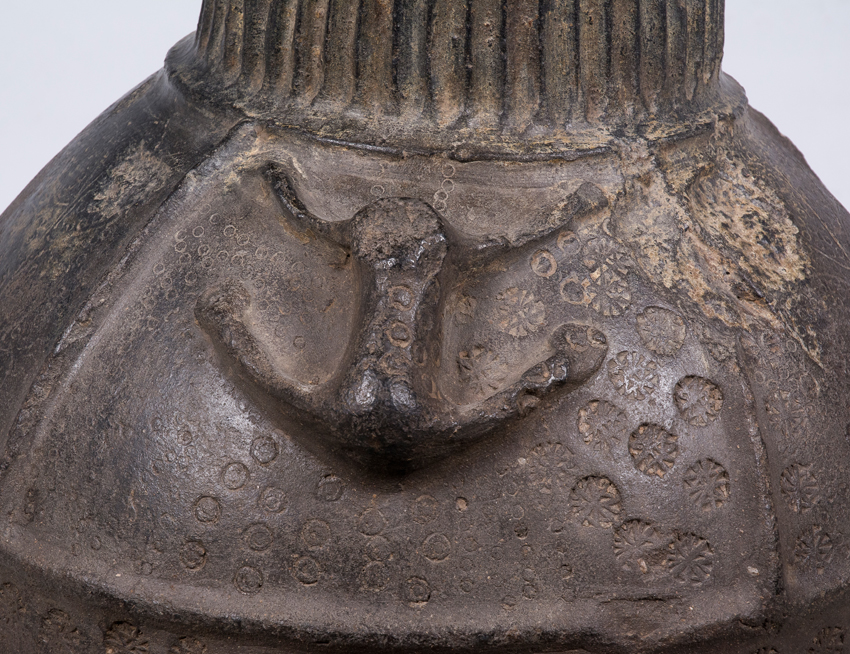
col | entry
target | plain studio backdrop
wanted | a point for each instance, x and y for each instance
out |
(62, 63)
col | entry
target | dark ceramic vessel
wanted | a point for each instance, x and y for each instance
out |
(427, 326)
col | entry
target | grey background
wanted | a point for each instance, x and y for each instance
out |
(62, 63)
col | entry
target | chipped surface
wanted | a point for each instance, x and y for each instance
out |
(138, 173)
(728, 241)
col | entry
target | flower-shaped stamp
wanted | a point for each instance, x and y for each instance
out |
(799, 487)
(601, 424)
(661, 330)
(707, 484)
(548, 466)
(520, 313)
(596, 502)
(633, 375)
(698, 400)
(125, 638)
(690, 559)
(814, 548)
(639, 547)
(483, 370)
(653, 449)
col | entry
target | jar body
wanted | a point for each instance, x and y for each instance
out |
(638, 348)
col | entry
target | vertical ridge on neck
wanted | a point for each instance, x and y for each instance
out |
(506, 64)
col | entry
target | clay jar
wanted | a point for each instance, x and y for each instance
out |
(481, 326)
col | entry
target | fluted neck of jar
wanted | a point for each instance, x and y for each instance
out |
(494, 65)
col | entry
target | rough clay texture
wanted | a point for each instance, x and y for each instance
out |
(484, 355)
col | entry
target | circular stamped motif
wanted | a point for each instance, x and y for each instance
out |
(248, 580)
(575, 290)
(307, 571)
(814, 548)
(379, 549)
(470, 544)
(264, 449)
(601, 424)
(799, 488)
(235, 476)
(330, 488)
(547, 466)
(612, 296)
(193, 555)
(124, 638)
(638, 547)
(393, 363)
(569, 243)
(690, 559)
(315, 533)
(654, 449)
(698, 400)
(483, 371)
(436, 547)
(520, 313)
(401, 297)
(595, 501)
(417, 590)
(633, 375)
(375, 576)
(273, 500)
(529, 591)
(608, 264)
(207, 509)
(372, 522)
(707, 484)
(543, 264)
(662, 331)
(59, 634)
(259, 537)
(399, 334)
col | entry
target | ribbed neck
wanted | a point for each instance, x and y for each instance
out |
(508, 65)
